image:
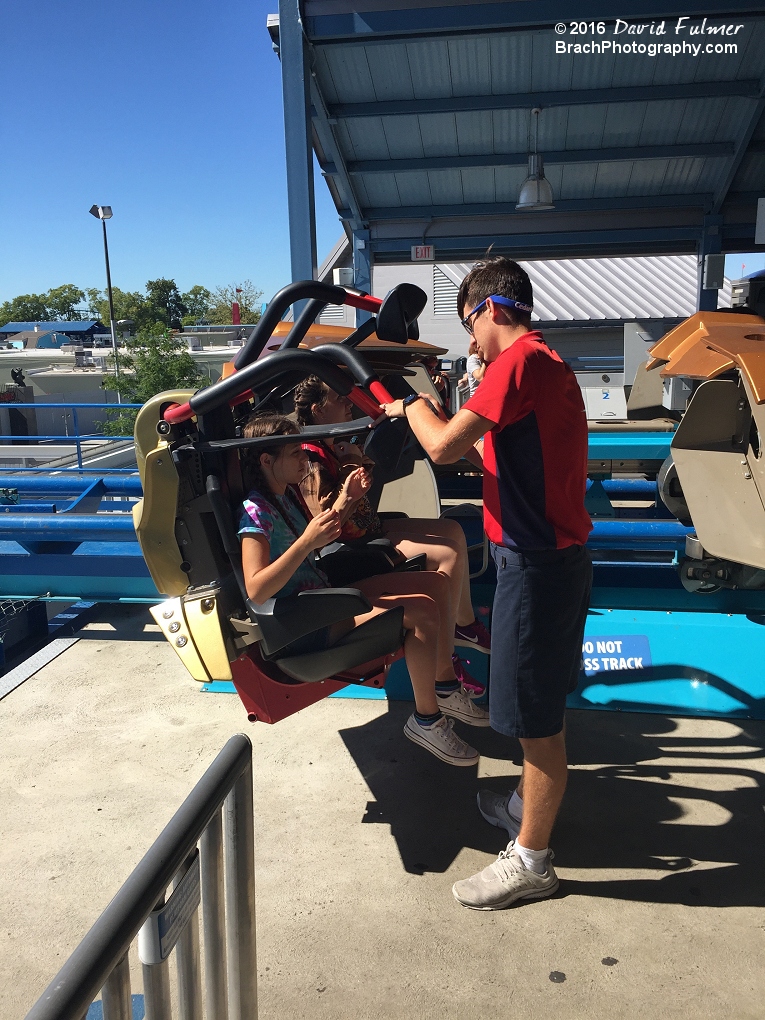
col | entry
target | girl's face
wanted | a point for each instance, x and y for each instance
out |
(334, 411)
(289, 467)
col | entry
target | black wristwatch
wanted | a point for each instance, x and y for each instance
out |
(408, 401)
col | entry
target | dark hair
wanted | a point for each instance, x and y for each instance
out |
(263, 425)
(501, 276)
(308, 392)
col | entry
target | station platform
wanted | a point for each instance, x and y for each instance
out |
(360, 835)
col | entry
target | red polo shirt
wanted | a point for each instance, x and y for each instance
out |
(535, 456)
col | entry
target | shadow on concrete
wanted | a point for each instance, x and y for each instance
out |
(124, 622)
(697, 823)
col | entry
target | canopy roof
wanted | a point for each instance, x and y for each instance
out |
(420, 117)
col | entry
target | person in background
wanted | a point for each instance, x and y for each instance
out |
(475, 368)
(442, 540)
(440, 380)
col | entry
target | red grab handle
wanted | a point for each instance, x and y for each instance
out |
(364, 301)
(377, 390)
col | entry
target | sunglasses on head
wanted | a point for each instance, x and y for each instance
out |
(497, 299)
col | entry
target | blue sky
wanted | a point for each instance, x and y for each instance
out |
(171, 113)
(168, 111)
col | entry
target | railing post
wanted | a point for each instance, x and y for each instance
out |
(189, 971)
(213, 918)
(240, 900)
(115, 995)
(76, 424)
(156, 988)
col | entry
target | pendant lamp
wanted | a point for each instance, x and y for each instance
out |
(535, 193)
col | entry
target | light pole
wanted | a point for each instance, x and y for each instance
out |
(104, 213)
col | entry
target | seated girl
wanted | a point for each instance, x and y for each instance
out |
(278, 546)
(442, 540)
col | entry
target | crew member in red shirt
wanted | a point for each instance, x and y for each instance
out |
(530, 410)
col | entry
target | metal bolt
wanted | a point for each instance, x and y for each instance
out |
(174, 627)
(181, 641)
(747, 474)
(167, 614)
(159, 463)
(208, 604)
(743, 463)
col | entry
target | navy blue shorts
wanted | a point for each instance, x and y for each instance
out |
(537, 628)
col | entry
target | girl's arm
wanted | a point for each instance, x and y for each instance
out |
(262, 578)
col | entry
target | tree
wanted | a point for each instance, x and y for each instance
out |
(24, 308)
(197, 300)
(155, 360)
(164, 299)
(127, 305)
(61, 302)
(223, 297)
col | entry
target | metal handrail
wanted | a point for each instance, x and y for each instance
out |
(100, 960)
(75, 440)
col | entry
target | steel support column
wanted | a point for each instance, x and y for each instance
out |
(297, 134)
(362, 268)
(709, 244)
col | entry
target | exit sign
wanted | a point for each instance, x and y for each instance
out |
(423, 253)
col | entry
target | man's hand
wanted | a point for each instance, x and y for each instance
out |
(395, 409)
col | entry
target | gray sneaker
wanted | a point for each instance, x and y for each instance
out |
(504, 882)
(459, 705)
(441, 740)
(493, 807)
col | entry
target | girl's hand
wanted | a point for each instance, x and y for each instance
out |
(322, 529)
(356, 485)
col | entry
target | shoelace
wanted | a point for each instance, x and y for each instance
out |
(508, 863)
(454, 742)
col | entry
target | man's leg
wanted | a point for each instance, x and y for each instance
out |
(542, 786)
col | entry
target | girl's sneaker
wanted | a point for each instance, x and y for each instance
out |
(459, 705)
(472, 686)
(440, 739)
(474, 635)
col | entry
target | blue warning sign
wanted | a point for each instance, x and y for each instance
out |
(611, 654)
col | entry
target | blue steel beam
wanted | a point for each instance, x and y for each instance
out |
(742, 147)
(527, 100)
(326, 137)
(670, 239)
(558, 156)
(626, 202)
(297, 136)
(70, 485)
(710, 243)
(351, 20)
(67, 528)
(362, 269)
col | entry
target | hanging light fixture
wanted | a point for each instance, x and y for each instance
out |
(536, 192)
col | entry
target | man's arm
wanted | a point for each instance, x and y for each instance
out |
(445, 442)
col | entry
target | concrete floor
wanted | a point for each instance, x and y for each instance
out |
(360, 835)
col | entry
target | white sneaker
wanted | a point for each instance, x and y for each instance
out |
(459, 705)
(440, 739)
(493, 807)
(504, 882)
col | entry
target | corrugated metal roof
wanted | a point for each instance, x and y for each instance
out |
(648, 287)
(485, 80)
(62, 327)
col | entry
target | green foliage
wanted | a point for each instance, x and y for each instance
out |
(58, 303)
(154, 360)
(198, 301)
(62, 302)
(162, 303)
(127, 305)
(222, 298)
(164, 299)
